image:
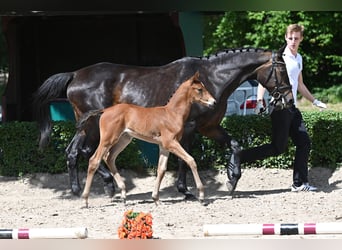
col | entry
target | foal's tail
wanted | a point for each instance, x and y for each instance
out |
(84, 118)
(54, 87)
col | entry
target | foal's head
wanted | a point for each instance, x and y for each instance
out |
(199, 93)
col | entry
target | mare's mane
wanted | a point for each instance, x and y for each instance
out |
(232, 50)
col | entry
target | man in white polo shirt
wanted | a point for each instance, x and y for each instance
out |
(287, 122)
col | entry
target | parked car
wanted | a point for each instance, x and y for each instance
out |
(243, 101)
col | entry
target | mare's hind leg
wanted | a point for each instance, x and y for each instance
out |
(108, 184)
(162, 166)
(122, 143)
(72, 154)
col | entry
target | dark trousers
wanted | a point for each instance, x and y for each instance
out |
(285, 123)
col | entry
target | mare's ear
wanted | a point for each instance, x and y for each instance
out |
(281, 50)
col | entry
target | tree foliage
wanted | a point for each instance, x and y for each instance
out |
(321, 47)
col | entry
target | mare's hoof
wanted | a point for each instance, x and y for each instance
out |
(76, 190)
(109, 189)
(231, 185)
(189, 196)
(203, 202)
(184, 190)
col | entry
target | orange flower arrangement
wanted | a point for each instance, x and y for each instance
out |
(136, 225)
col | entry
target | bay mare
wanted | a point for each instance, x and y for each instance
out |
(162, 125)
(105, 84)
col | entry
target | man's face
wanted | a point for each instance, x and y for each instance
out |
(293, 40)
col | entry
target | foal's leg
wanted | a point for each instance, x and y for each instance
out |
(176, 148)
(77, 146)
(123, 142)
(88, 149)
(162, 166)
(186, 142)
(92, 140)
(94, 163)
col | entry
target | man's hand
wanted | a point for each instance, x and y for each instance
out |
(259, 109)
(319, 104)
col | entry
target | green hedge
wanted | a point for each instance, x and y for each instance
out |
(324, 129)
(21, 155)
(19, 143)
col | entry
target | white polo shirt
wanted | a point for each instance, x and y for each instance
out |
(294, 65)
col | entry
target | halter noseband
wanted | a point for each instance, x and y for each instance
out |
(279, 92)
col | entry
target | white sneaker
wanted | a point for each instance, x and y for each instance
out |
(305, 187)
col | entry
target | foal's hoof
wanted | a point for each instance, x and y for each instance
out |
(109, 189)
(86, 204)
(156, 200)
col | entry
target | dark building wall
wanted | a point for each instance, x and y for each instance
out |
(40, 46)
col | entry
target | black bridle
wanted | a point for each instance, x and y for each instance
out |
(280, 92)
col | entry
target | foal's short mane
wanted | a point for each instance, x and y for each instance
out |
(195, 80)
(233, 50)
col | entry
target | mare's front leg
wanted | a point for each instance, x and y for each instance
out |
(175, 148)
(186, 142)
(162, 167)
(233, 167)
(72, 154)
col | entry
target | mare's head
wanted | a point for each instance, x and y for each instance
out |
(273, 76)
(198, 93)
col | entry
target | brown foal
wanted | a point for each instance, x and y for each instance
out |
(162, 125)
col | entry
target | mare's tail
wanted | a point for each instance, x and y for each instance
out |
(55, 86)
(84, 118)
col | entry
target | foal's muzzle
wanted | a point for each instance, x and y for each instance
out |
(211, 103)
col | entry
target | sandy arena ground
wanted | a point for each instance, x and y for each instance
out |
(262, 196)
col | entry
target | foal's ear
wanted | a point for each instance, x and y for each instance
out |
(196, 76)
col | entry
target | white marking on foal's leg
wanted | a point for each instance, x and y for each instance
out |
(162, 166)
(121, 185)
(116, 149)
(181, 153)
